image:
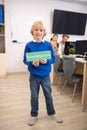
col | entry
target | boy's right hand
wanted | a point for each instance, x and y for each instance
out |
(36, 63)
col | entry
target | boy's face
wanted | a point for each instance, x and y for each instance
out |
(38, 34)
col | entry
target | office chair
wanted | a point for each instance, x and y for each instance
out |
(69, 68)
(58, 70)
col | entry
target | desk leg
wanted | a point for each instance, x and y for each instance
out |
(84, 89)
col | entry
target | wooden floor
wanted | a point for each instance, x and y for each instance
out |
(15, 107)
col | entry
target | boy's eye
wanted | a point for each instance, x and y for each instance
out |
(39, 30)
(36, 30)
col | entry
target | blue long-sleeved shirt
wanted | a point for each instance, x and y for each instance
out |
(43, 69)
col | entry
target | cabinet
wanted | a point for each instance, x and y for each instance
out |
(2, 40)
(2, 64)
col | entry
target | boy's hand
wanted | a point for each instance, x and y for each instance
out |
(43, 61)
(36, 63)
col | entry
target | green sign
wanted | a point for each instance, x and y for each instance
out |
(31, 56)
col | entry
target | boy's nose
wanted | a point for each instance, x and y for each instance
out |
(38, 31)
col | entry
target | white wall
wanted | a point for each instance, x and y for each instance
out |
(34, 9)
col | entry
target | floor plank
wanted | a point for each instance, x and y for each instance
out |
(15, 106)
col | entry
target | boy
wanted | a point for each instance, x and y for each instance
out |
(40, 72)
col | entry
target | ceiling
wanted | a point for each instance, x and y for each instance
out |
(77, 1)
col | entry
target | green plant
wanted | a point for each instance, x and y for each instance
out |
(72, 50)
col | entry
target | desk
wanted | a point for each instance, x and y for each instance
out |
(82, 69)
(84, 87)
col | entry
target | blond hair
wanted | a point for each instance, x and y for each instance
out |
(38, 25)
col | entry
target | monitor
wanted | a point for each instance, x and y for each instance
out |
(68, 45)
(81, 47)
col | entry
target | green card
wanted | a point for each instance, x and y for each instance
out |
(31, 56)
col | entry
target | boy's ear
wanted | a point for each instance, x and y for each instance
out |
(32, 33)
(44, 34)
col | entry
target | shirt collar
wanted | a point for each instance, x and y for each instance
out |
(36, 41)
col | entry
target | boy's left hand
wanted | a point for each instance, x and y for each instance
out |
(43, 61)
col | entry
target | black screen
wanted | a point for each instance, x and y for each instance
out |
(65, 22)
(81, 47)
(69, 45)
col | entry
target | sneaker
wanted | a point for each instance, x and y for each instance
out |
(32, 121)
(55, 118)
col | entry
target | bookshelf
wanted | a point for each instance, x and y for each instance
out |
(2, 40)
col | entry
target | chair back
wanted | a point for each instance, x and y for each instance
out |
(69, 66)
(57, 63)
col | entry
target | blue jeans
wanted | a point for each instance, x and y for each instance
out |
(35, 83)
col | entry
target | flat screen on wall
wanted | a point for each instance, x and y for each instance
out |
(65, 22)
